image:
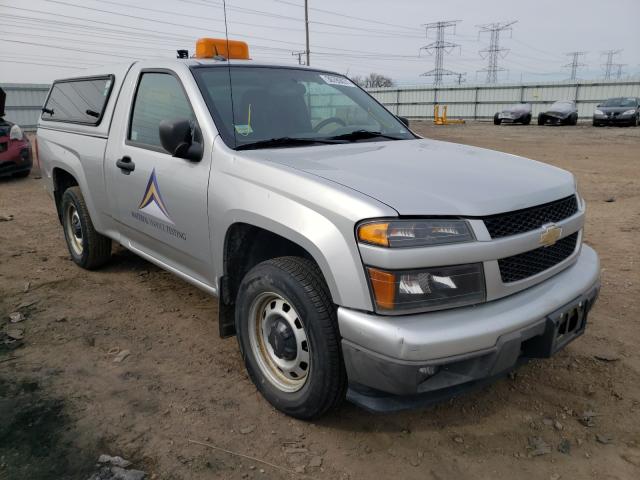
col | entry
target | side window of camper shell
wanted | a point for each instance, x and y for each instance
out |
(78, 100)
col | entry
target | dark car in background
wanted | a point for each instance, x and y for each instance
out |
(618, 111)
(562, 112)
(15, 149)
(517, 113)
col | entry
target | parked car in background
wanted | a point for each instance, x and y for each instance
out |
(15, 150)
(562, 112)
(517, 113)
(618, 111)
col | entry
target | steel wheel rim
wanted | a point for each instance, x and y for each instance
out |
(268, 311)
(73, 227)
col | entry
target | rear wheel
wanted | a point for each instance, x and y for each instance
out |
(88, 248)
(527, 120)
(496, 119)
(573, 119)
(288, 336)
(541, 119)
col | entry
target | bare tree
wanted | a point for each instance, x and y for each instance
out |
(373, 80)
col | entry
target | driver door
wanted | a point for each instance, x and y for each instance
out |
(159, 201)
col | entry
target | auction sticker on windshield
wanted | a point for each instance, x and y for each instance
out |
(336, 80)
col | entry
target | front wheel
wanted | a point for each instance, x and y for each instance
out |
(288, 335)
(88, 248)
(496, 119)
(527, 120)
(541, 119)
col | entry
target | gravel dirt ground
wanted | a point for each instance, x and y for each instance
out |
(64, 400)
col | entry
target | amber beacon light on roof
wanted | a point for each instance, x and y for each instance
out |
(217, 47)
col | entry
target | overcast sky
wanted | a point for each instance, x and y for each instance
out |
(41, 40)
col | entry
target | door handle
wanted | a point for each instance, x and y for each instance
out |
(126, 165)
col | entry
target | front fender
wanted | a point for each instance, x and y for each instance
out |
(285, 201)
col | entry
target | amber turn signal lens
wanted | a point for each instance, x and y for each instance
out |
(384, 288)
(375, 233)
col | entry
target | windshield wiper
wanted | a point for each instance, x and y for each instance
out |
(284, 142)
(363, 134)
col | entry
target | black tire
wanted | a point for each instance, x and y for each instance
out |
(527, 120)
(635, 121)
(22, 174)
(574, 119)
(496, 119)
(298, 282)
(542, 119)
(90, 250)
(596, 124)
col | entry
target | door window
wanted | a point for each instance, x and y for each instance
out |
(160, 96)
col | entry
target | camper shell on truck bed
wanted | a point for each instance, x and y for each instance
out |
(351, 258)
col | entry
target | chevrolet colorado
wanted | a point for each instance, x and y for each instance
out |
(350, 257)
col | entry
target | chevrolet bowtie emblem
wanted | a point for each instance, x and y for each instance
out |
(550, 234)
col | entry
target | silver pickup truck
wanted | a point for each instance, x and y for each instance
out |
(351, 258)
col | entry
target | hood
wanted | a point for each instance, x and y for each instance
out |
(561, 109)
(615, 109)
(518, 109)
(427, 177)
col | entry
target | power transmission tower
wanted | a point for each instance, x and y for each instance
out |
(619, 71)
(608, 66)
(299, 55)
(494, 51)
(575, 63)
(439, 47)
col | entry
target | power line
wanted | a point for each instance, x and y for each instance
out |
(263, 13)
(493, 52)
(575, 63)
(343, 15)
(439, 47)
(74, 67)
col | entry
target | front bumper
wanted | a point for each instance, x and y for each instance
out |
(16, 158)
(613, 120)
(402, 362)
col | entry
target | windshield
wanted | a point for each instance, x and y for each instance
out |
(519, 107)
(562, 105)
(5, 128)
(277, 103)
(620, 102)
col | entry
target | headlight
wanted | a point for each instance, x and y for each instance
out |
(598, 112)
(414, 233)
(427, 289)
(15, 133)
(629, 112)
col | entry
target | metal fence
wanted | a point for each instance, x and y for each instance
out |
(24, 101)
(483, 101)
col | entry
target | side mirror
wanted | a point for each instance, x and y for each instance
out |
(179, 138)
(404, 120)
